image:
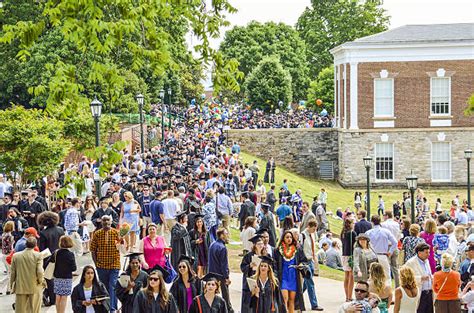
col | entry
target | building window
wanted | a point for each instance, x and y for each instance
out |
(383, 97)
(384, 161)
(441, 161)
(440, 95)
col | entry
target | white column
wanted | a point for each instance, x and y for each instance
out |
(344, 76)
(354, 89)
(336, 111)
(338, 94)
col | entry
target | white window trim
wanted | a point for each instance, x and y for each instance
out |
(393, 96)
(449, 97)
(375, 163)
(450, 164)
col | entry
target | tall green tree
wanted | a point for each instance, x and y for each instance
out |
(31, 144)
(252, 43)
(111, 37)
(329, 23)
(268, 86)
(322, 88)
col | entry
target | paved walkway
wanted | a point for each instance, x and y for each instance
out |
(329, 292)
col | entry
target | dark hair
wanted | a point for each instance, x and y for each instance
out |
(48, 219)
(95, 281)
(220, 232)
(288, 223)
(362, 213)
(421, 247)
(312, 223)
(203, 225)
(191, 273)
(293, 242)
(366, 284)
(74, 201)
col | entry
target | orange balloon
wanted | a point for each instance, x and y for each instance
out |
(319, 102)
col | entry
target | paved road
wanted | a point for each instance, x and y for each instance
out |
(329, 292)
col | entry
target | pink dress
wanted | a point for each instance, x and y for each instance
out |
(429, 240)
(154, 254)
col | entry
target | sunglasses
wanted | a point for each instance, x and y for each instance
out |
(360, 290)
(182, 266)
(154, 278)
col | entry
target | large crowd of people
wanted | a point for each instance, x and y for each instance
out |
(157, 238)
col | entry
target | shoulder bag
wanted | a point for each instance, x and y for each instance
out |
(49, 271)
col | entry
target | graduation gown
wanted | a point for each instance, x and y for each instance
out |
(180, 243)
(268, 222)
(101, 212)
(194, 235)
(246, 209)
(178, 290)
(141, 304)
(300, 258)
(247, 271)
(97, 291)
(123, 295)
(218, 305)
(269, 299)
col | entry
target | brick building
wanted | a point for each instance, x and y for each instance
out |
(400, 96)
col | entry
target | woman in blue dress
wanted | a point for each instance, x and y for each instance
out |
(130, 214)
(287, 257)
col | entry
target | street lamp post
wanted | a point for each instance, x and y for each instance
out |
(468, 156)
(412, 182)
(162, 97)
(140, 99)
(96, 110)
(169, 108)
(368, 165)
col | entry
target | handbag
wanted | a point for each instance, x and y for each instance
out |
(171, 272)
(49, 271)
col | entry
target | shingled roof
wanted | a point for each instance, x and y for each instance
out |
(419, 34)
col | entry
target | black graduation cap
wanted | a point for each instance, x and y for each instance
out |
(183, 257)
(8, 194)
(255, 239)
(124, 175)
(212, 276)
(104, 198)
(266, 259)
(24, 192)
(164, 272)
(198, 216)
(180, 215)
(133, 255)
(265, 205)
(261, 231)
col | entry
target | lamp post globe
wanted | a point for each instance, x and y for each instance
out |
(368, 164)
(412, 184)
(96, 110)
(468, 156)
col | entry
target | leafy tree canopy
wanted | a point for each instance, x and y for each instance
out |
(252, 43)
(327, 24)
(31, 144)
(107, 48)
(268, 86)
(323, 89)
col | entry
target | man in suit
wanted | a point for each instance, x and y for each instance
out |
(362, 225)
(246, 209)
(307, 216)
(423, 276)
(26, 278)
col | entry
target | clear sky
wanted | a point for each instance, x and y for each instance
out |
(402, 12)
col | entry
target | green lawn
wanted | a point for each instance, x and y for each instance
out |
(340, 197)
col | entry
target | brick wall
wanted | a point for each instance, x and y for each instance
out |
(412, 91)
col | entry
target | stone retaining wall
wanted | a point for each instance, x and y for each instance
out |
(299, 150)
